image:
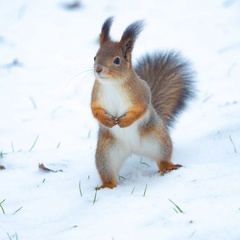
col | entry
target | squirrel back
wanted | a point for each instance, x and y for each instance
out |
(169, 77)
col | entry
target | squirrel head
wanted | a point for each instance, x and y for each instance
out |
(113, 59)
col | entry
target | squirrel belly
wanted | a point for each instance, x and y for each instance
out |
(143, 137)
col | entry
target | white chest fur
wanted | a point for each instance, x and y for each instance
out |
(116, 103)
(113, 100)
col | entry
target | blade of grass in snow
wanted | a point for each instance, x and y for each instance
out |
(75, 226)
(175, 210)
(145, 190)
(17, 210)
(179, 209)
(133, 190)
(121, 177)
(1, 154)
(9, 236)
(15, 236)
(207, 98)
(33, 102)
(80, 189)
(89, 133)
(144, 163)
(235, 150)
(2, 206)
(95, 196)
(34, 144)
(13, 150)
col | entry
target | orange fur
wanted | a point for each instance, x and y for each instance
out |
(100, 114)
(165, 167)
(111, 184)
(132, 115)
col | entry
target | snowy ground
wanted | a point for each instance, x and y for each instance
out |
(46, 58)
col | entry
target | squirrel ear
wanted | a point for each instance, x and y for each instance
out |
(129, 37)
(104, 35)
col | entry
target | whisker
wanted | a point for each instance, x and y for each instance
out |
(88, 70)
(76, 83)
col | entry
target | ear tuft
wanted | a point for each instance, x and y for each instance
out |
(104, 35)
(129, 37)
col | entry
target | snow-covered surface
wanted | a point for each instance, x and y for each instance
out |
(46, 58)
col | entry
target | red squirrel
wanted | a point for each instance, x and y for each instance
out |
(135, 105)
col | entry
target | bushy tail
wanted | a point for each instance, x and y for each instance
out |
(170, 78)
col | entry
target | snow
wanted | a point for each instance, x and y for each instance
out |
(46, 62)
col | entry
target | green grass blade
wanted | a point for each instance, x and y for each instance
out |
(80, 188)
(145, 190)
(178, 208)
(34, 143)
(95, 195)
(2, 206)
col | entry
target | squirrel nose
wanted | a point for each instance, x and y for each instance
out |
(98, 69)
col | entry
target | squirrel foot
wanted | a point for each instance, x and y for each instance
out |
(165, 167)
(107, 185)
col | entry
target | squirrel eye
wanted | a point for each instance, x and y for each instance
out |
(94, 58)
(116, 60)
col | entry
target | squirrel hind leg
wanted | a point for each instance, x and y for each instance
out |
(158, 146)
(110, 155)
(107, 172)
(165, 167)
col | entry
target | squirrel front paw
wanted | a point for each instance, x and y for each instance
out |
(125, 121)
(101, 115)
(108, 121)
